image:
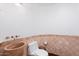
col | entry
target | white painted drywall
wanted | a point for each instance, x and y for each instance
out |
(37, 19)
(14, 20)
(56, 19)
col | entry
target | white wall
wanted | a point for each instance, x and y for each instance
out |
(56, 19)
(14, 20)
(34, 19)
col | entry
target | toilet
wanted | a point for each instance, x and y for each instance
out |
(33, 50)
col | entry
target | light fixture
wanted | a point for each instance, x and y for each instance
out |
(19, 4)
(20, 7)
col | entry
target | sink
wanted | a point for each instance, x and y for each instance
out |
(15, 49)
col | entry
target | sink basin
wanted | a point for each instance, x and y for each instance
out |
(15, 49)
(14, 46)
